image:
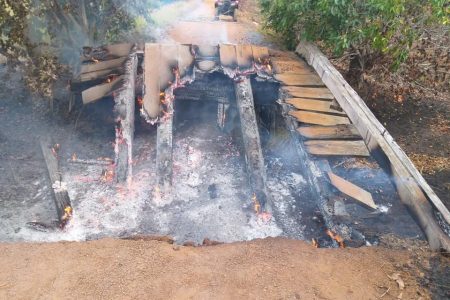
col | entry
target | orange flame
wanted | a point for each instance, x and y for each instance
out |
(107, 175)
(67, 214)
(315, 243)
(74, 156)
(110, 78)
(140, 101)
(336, 237)
(256, 204)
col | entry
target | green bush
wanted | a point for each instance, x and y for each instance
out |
(40, 35)
(366, 28)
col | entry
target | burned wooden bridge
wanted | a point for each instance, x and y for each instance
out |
(324, 114)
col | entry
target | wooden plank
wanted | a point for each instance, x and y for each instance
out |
(152, 56)
(122, 49)
(305, 92)
(109, 51)
(59, 187)
(99, 91)
(291, 66)
(244, 55)
(167, 64)
(102, 65)
(347, 131)
(314, 105)
(100, 74)
(351, 148)
(228, 58)
(185, 61)
(299, 79)
(352, 190)
(260, 54)
(261, 57)
(318, 118)
(413, 190)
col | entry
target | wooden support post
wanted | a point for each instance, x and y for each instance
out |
(253, 153)
(61, 196)
(314, 175)
(164, 153)
(222, 109)
(124, 100)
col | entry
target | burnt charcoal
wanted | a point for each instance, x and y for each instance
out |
(212, 191)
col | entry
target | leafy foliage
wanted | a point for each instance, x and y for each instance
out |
(41, 34)
(366, 28)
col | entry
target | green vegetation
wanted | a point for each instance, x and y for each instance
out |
(44, 36)
(367, 29)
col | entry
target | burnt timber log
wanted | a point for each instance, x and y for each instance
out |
(168, 66)
(412, 188)
(164, 159)
(252, 144)
(124, 99)
(59, 188)
(314, 175)
(207, 88)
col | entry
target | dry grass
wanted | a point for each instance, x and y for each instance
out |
(429, 164)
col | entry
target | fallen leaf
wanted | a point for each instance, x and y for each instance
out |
(398, 279)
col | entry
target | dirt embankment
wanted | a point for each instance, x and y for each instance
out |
(260, 269)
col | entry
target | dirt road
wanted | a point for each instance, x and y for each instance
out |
(196, 25)
(261, 269)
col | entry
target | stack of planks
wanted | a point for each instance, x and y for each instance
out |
(323, 124)
(412, 188)
(104, 67)
(324, 127)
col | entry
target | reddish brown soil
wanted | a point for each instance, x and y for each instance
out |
(273, 268)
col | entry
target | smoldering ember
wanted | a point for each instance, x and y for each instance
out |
(178, 149)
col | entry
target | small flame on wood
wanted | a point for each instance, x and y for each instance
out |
(315, 243)
(67, 216)
(256, 204)
(140, 101)
(107, 175)
(55, 149)
(336, 237)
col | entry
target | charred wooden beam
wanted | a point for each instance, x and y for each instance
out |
(103, 65)
(222, 110)
(106, 52)
(59, 187)
(90, 161)
(124, 99)
(102, 90)
(314, 175)
(100, 74)
(253, 153)
(164, 158)
(207, 88)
